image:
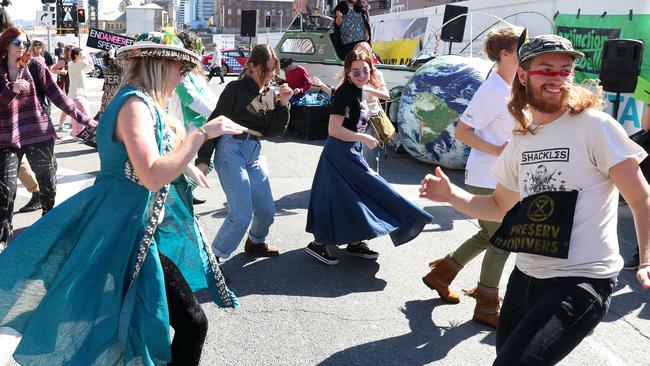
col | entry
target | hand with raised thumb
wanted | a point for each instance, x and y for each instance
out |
(436, 187)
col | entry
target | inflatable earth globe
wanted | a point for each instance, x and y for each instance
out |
(431, 104)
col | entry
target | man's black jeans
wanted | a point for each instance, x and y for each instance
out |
(543, 320)
(215, 71)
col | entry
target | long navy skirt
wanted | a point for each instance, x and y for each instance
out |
(349, 202)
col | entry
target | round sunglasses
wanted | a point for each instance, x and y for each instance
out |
(358, 73)
(17, 42)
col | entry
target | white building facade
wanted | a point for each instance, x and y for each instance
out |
(145, 18)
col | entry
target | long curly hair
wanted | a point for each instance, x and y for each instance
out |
(579, 98)
(5, 39)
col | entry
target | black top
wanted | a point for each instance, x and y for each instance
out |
(49, 60)
(242, 102)
(346, 102)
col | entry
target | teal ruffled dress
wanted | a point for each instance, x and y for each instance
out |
(68, 284)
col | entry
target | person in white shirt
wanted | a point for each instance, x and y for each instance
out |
(485, 126)
(215, 64)
(373, 94)
(557, 199)
(79, 66)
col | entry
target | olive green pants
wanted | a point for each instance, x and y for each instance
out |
(494, 258)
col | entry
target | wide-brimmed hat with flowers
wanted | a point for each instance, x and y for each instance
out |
(157, 45)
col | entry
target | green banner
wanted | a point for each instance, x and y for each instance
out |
(589, 32)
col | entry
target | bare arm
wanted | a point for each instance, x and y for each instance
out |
(135, 128)
(489, 207)
(645, 119)
(323, 86)
(628, 178)
(58, 68)
(336, 129)
(466, 135)
(381, 92)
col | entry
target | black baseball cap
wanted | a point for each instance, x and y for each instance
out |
(547, 43)
(284, 62)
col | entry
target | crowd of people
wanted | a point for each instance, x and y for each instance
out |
(163, 131)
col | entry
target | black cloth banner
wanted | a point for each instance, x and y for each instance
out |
(539, 224)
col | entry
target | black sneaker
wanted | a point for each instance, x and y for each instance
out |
(34, 204)
(197, 201)
(632, 264)
(361, 250)
(322, 253)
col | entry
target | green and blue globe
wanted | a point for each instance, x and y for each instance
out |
(431, 105)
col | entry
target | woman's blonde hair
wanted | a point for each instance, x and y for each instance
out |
(579, 98)
(152, 75)
(501, 38)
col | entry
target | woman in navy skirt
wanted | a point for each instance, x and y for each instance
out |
(349, 202)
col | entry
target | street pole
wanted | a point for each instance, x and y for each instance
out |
(49, 37)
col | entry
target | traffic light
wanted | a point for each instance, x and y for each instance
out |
(81, 16)
(267, 21)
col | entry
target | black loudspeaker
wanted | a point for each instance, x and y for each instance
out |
(453, 31)
(249, 23)
(620, 65)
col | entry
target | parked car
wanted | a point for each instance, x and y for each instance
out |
(233, 60)
(100, 67)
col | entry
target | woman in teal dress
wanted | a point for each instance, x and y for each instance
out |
(100, 279)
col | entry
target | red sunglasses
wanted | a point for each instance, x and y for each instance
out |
(550, 73)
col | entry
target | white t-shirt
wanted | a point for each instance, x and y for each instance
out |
(573, 152)
(487, 113)
(374, 104)
(216, 58)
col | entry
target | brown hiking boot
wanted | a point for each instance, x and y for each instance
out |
(443, 271)
(487, 306)
(261, 250)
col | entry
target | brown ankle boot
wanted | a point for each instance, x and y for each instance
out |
(260, 250)
(487, 306)
(443, 271)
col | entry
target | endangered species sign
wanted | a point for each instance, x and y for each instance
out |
(104, 40)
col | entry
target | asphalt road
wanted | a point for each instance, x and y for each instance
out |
(296, 311)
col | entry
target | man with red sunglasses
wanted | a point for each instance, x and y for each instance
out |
(557, 200)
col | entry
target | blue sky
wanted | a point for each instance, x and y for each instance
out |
(26, 9)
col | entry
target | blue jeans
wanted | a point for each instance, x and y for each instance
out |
(543, 320)
(248, 192)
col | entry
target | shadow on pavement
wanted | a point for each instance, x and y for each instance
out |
(72, 154)
(283, 206)
(425, 344)
(625, 304)
(443, 217)
(296, 273)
